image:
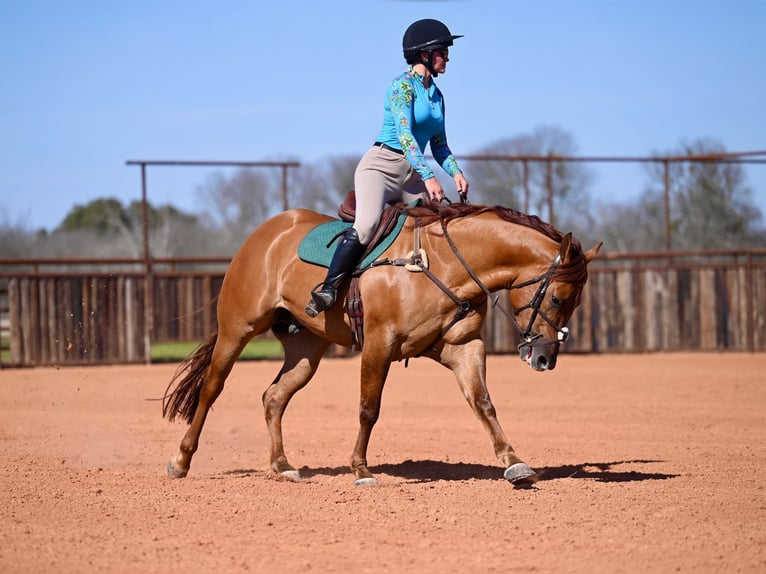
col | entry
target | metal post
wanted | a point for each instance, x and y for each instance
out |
(285, 205)
(549, 187)
(148, 278)
(750, 303)
(666, 165)
(145, 217)
(525, 170)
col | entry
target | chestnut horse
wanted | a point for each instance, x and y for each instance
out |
(471, 251)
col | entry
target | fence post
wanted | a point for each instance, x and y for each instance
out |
(666, 180)
(549, 187)
(285, 205)
(148, 275)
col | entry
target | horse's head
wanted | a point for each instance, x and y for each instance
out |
(544, 304)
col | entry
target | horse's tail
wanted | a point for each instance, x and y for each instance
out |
(182, 395)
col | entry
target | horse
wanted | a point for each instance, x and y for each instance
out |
(472, 251)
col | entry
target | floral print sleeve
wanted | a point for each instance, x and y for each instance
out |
(443, 155)
(402, 102)
(414, 119)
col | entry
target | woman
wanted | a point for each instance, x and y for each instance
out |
(394, 168)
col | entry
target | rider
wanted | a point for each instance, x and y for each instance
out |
(394, 168)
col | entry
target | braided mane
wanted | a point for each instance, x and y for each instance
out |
(426, 214)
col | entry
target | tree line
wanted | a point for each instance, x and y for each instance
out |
(711, 205)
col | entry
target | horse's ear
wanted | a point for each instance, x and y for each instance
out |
(567, 249)
(590, 255)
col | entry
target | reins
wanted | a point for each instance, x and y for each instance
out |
(464, 306)
(544, 280)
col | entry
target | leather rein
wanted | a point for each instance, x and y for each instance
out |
(464, 307)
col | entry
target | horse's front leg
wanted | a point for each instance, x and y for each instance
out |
(373, 377)
(468, 362)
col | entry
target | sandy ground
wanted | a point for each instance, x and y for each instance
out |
(648, 463)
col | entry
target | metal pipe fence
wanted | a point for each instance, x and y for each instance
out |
(69, 311)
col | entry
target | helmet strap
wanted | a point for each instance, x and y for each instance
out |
(429, 64)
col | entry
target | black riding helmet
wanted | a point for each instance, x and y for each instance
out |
(425, 36)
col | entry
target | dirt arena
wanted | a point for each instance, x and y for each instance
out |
(650, 463)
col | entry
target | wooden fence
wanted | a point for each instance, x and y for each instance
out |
(637, 303)
(75, 319)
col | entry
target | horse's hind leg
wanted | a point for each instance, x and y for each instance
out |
(227, 348)
(468, 363)
(303, 351)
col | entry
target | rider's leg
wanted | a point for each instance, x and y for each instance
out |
(344, 260)
(378, 179)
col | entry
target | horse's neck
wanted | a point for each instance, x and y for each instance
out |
(499, 252)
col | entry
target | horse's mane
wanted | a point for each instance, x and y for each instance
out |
(428, 213)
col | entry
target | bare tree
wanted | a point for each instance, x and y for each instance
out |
(711, 202)
(323, 185)
(629, 227)
(237, 204)
(710, 207)
(15, 239)
(497, 182)
(525, 185)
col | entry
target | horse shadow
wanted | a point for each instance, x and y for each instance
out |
(432, 470)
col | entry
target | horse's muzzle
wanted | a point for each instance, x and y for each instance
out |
(539, 357)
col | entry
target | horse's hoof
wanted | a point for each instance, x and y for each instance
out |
(520, 475)
(366, 481)
(174, 471)
(293, 475)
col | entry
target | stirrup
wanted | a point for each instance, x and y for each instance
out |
(318, 301)
(312, 309)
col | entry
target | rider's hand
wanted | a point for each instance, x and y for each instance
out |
(461, 184)
(434, 188)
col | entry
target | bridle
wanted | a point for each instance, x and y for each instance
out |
(527, 338)
(562, 333)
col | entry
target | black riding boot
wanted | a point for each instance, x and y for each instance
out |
(344, 260)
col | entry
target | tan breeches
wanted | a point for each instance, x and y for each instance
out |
(382, 176)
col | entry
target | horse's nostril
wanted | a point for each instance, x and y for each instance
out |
(542, 362)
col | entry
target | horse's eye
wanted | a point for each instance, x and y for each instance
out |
(555, 302)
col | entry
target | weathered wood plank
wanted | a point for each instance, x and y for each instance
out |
(99, 318)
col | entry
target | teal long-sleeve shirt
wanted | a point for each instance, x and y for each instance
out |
(412, 118)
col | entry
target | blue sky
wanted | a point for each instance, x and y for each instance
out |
(87, 86)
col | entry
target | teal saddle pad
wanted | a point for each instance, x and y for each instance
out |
(314, 249)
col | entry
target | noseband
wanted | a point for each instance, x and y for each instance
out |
(562, 333)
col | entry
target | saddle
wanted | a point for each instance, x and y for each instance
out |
(317, 248)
